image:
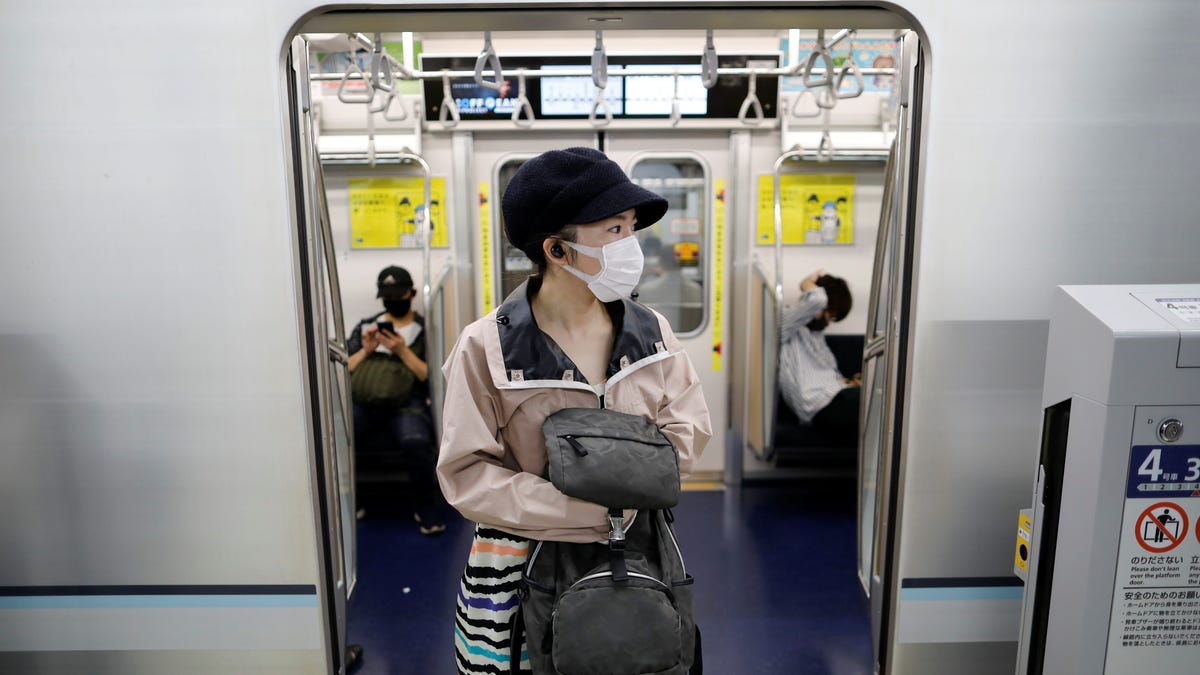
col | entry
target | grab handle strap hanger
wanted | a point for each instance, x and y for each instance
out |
(600, 79)
(371, 135)
(488, 56)
(796, 109)
(346, 96)
(751, 101)
(392, 97)
(850, 67)
(599, 62)
(825, 149)
(676, 114)
(819, 53)
(523, 105)
(708, 62)
(448, 114)
(382, 77)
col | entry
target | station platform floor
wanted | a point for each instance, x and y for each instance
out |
(776, 587)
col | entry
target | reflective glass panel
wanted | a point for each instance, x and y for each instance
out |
(674, 274)
(515, 266)
(871, 442)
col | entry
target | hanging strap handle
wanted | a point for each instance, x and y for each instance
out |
(349, 97)
(819, 53)
(751, 102)
(387, 108)
(599, 62)
(676, 113)
(796, 109)
(708, 62)
(825, 149)
(488, 56)
(850, 67)
(600, 103)
(382, 77)
(448, 114)
(523, 105)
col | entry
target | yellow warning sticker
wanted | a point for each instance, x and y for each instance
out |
(485, 245)
(718, 287)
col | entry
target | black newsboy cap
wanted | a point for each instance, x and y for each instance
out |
(571, 187)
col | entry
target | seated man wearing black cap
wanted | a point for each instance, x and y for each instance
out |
(388, 377)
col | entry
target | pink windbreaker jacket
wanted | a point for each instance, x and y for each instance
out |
(504, 377)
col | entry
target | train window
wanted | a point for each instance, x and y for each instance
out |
(515, 266)
(673, 280)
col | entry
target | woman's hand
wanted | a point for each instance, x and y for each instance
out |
(810, 282)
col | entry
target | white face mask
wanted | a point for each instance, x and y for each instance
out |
(620, 268)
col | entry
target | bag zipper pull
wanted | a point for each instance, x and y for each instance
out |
(579, 449)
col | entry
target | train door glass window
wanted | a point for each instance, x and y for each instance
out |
(515, 266)
(673, 280)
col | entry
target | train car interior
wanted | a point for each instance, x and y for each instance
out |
(777, 147)
(931, 265)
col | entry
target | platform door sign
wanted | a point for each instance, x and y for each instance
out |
(1154, 626)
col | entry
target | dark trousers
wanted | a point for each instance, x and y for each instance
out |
(841, 415)
(406, 435)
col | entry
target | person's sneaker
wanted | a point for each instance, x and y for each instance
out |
(429, 520)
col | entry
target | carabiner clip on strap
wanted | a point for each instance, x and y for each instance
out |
(751, 102)
(448, 113)
(522, 103)
(347, 97)
(708, 62)
(616, 545)
(488, 56)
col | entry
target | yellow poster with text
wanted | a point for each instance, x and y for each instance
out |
(815, 208)
(385, 212)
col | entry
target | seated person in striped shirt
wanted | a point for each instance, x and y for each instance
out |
(808, 375)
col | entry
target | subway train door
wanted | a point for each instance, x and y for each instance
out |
(326, 362)
(685, 275)
(497, 156)
(884, 365)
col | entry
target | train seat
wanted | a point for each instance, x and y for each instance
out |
(798, 444)
(378, 459)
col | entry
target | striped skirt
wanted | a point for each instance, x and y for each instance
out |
(487, 600)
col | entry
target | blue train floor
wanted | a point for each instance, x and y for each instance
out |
(776, 587)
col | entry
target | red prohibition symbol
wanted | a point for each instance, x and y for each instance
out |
(1162, 527)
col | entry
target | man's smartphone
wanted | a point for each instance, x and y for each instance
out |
(386, 325)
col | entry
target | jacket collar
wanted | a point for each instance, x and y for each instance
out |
(530, 354)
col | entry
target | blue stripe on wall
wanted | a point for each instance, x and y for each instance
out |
(149, 601)
(963, 593)
(175, 589)
(191, 595)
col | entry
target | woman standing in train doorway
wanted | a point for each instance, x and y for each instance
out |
(569, 337)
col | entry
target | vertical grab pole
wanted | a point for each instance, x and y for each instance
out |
(779, 232)
(426, 222)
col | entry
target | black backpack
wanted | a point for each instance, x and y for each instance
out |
(621, 608)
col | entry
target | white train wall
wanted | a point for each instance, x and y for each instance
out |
(155, 414)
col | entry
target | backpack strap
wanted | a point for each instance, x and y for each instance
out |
(616, 545)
